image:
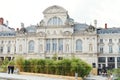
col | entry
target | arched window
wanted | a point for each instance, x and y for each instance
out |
(78, 45)
(55, 21)
(31, 46)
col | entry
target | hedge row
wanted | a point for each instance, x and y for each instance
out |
(58, 67)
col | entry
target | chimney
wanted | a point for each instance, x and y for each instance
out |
(105, 25)
(1, 21)
(95, 23)
(7, 23)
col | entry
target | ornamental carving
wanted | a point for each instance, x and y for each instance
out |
(42, 34)
(67, 33)
(54, 9)
(90, 29)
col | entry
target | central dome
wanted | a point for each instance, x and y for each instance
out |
(54, 9)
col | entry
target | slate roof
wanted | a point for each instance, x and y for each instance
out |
(80, 27)
(31, 28)
(108, 30)
(8, 32)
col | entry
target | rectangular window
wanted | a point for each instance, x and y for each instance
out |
(118, 65)
(119, 49)
(1, 49)
(118, 59)
(110, 49)
(2, 42)
(48, 45)
(101, 40)
(101, 49)
(54, 44)
(60, 44)
(110, 40)
(111, 59)
(14, 49)
(118, 40)
(8, 49)
(101, 59)
(9, 42)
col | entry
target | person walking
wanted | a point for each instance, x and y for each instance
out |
(11, 67)
(8, 69)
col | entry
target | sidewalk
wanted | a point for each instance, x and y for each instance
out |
(92, 77)
(24, 77)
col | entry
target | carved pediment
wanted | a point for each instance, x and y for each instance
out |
(90, 29)
(41, 34)
(69, 21)
(67, 33)
(54, 9)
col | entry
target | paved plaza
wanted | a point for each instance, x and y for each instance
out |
(6, 76)
(96, 78)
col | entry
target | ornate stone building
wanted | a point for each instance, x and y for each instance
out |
(58, 34)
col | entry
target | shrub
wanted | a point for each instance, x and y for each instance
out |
(57, 67)
(4, 65)
(19, 62)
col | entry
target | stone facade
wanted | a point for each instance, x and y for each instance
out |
(58, 34)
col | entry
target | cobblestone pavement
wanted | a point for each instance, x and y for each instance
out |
(6, 76)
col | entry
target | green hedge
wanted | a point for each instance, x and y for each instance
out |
(67, 67)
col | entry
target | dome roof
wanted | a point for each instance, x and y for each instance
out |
(31, 28)
(54, 9)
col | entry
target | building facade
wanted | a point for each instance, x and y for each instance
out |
(58, 34)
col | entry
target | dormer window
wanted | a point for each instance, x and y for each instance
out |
(55, 21)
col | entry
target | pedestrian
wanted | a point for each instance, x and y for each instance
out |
(11, 67)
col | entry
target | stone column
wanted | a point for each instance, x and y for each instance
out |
(57, 45)
(106, 61)
(115, 62)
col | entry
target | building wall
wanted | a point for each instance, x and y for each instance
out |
(90, 40)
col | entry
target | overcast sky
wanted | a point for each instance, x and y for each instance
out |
(84, 11)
